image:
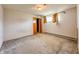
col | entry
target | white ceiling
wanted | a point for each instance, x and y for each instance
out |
(28, 8)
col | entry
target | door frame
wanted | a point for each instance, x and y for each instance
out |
(35, 25)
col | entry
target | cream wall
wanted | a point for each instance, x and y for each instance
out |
(17, 24)
(67, 24)
(1, 25)
(78, 24)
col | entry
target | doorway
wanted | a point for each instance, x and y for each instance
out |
(37, 25)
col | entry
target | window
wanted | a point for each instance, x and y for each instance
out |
(59, 17)
(49, 18)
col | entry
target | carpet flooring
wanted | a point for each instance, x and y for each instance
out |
(39, 44)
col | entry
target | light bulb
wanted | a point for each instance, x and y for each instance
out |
(39, 8)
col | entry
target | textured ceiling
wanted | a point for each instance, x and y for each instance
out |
(28, 8)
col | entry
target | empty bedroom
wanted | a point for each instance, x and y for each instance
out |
(39, 29)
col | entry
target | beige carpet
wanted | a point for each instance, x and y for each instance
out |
(39, 44)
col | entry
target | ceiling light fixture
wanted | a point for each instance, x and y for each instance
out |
(40, 7)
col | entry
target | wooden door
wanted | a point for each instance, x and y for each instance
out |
(40, 25)
(34, 25)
